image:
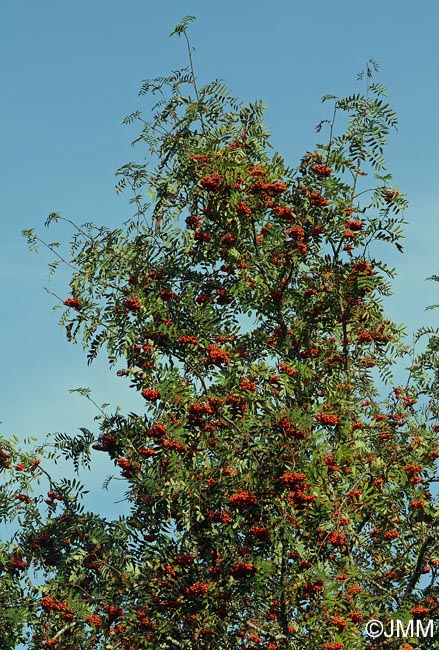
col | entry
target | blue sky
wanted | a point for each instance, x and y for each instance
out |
(71, 72)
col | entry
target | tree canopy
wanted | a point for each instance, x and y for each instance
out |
(277, 500)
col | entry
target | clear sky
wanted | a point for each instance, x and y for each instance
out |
(71, 72)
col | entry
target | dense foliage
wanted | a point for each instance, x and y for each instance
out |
(277, 501)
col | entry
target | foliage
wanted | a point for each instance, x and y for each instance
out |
(276, 501)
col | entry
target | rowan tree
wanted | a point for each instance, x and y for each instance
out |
(277, 500)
